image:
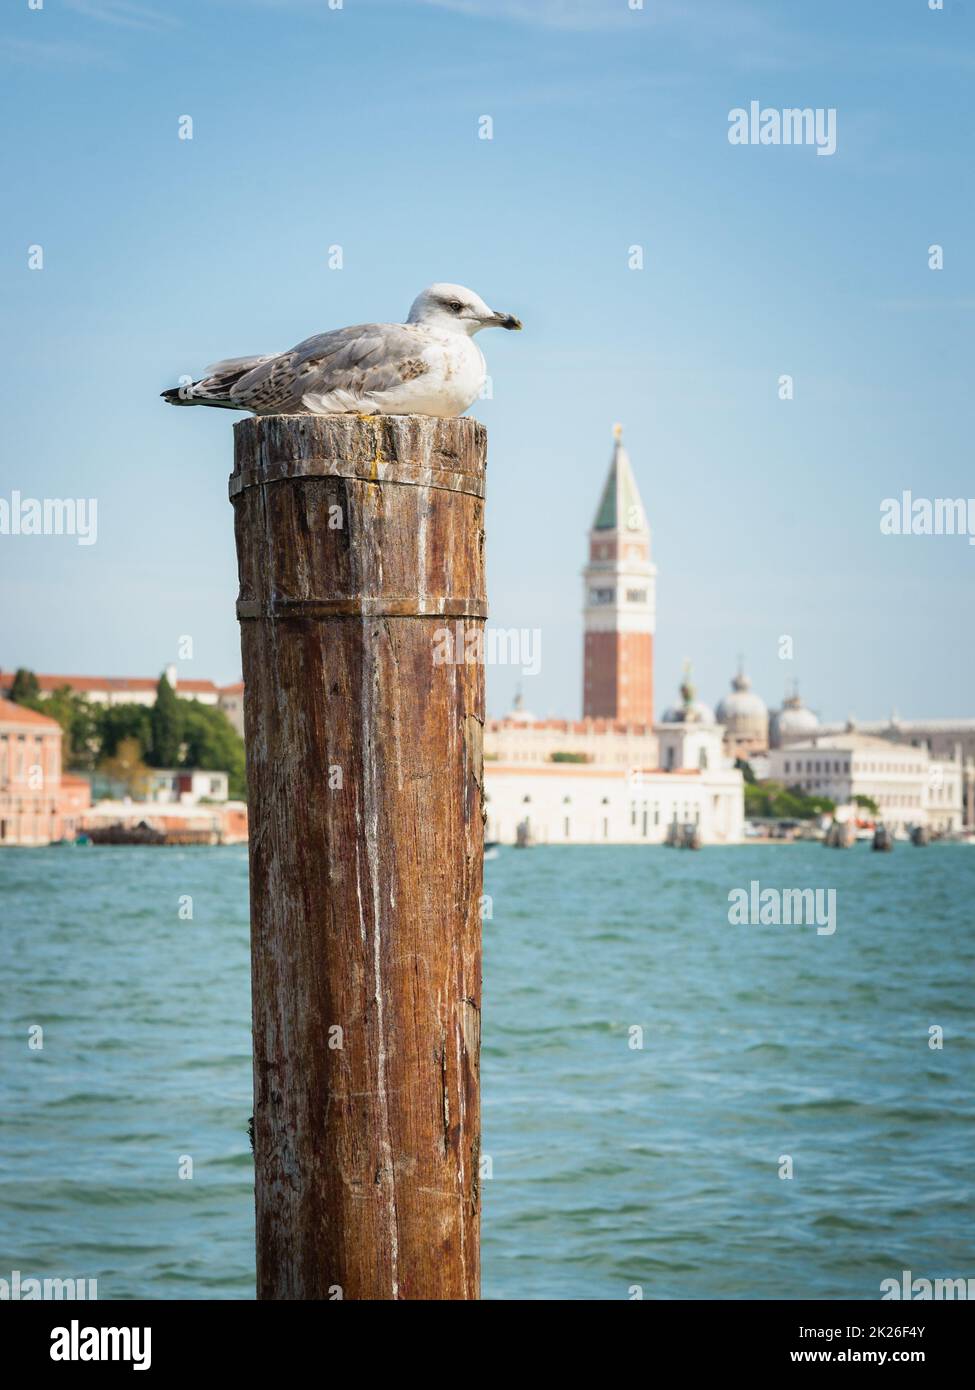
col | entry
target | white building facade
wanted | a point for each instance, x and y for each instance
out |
(581, 804)
(908, 786)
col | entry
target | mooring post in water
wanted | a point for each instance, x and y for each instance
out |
(360, 545)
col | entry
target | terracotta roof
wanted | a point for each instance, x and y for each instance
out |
(117, 684)
(236, 689)
(569, 726)
(20, 714)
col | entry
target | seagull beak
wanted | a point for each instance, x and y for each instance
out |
(501, 320)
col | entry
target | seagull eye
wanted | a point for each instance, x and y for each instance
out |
(455, 304)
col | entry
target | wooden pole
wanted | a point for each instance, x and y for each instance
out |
(360, 545)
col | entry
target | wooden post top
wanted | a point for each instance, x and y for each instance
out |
(337, 516)
(418, 450)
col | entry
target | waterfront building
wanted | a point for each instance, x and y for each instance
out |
(189, 786)
(584, 804)
(522, 739)
(37, 804)
(908, 786)
(941, 737)
(231, 700)
(184, 786)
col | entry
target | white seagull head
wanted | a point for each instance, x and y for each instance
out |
(457, 309)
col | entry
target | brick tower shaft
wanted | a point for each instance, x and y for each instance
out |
(619, 608)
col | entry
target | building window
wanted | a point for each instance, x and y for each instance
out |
(636, 595)
(600, 596)
(566, 827)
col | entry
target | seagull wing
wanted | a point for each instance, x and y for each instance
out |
(339, 370)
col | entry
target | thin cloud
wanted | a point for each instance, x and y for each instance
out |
(707, 18)
(925, 305)
(743, 32)
(545, 14)
(124, 14)
(52, 53)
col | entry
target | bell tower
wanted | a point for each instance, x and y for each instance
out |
(620, 604)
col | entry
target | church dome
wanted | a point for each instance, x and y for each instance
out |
(743, 713)
(793, 721)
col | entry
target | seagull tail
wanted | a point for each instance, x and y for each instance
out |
(201, 393)
(215, 387)
(176, 395)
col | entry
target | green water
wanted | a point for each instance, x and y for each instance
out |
(611, 1166)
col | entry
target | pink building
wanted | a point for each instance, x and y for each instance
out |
(37, 806)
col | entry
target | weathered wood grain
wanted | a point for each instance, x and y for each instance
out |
(366, 847)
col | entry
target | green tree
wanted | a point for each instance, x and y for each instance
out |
(167, 726)
(77, 717)
(127, 768)
(772, 799)
(213, 744)
(119, 722)
(868, 804)
(26, 687)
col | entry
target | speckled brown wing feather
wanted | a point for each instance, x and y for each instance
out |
(353, 362)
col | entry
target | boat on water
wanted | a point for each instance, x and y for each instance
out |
(686, 836)
(842, 834)
(145, 834)
(491, 848)
(883, 840)
(524, 839)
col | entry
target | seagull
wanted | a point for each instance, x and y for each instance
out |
(429, 365)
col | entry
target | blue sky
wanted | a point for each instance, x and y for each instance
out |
(358, 126)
